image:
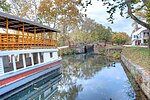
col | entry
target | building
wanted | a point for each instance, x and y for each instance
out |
(140, 37)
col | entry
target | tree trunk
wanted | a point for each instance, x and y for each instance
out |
(105, 43)
(144, 24)
(149, 39)
(63, 40)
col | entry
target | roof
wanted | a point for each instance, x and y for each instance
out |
(139, 31)
(15, 22)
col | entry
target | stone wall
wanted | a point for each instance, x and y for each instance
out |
(140, 75)
(83, 47)
(97, 47)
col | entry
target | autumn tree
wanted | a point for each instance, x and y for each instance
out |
(48, 13)
(70, 14)
(120, 38)
(25, 8)
(62, 14)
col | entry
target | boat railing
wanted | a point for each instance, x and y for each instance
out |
(14, 60)
(17, 41)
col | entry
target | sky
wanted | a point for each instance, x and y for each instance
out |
(98, 12)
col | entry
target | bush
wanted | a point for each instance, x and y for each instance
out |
(102, 51)
(69, 51)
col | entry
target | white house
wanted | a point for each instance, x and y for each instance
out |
(140, 37)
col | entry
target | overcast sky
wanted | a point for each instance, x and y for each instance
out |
(98, 12)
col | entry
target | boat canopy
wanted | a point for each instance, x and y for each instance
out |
(15, 23)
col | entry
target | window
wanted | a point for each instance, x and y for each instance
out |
(8, 66)
(41, 57)
(35, 58)
(135, 36)
(51, 55)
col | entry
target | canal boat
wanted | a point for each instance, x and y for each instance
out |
(28, 50)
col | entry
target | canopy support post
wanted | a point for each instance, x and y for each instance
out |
(34, 35)
(23, 35)
(7, 32)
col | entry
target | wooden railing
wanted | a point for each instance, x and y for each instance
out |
(16, 42)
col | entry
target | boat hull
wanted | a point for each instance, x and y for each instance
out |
(9, 83)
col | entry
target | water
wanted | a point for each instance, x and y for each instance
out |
(93, 77)
(87, 77)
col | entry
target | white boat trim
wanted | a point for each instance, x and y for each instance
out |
(12, 52)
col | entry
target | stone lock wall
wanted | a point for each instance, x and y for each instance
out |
(140, 75)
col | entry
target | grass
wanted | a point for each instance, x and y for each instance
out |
(138, 55)
(114, 47)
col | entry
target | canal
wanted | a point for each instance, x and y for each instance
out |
(85, 77)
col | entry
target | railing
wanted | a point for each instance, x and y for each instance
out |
(16, 41)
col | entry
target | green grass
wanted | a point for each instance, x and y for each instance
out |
(138, 55)
(114, 47)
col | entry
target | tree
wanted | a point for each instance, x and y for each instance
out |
(120, 38)
(130, 6)
(48, 13)
(25, 8)
(88, 28)
(105, 35)
(62, 14)
(90, 31)
(4, 5)
(95, 32)
(142, 16)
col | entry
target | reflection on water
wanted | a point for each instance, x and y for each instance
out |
(43, 89)
(84, 77)
(93, 77)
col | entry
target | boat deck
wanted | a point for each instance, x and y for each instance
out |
(18, 41)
